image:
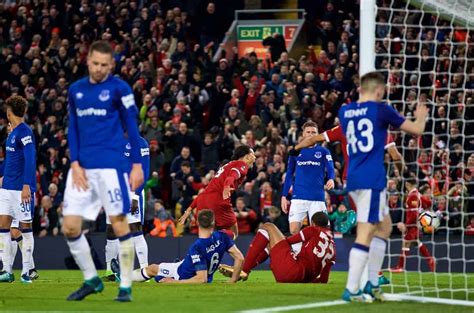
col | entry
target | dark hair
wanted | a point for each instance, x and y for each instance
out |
(101, 46)
(17, 105)
(411, 181)
(205, 218)
(186, 164)
(320, 219)
(310, 124)
(240, 152)
(371, 80)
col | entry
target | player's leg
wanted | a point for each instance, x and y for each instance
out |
(141, 247)
(115, 197)
(359, 254)
(146, 273)
(111, 251)
(16, 239)
(79, 204)
(407, 242)
(27, 248)
(426, 253)
(298, 211)
(6, 215)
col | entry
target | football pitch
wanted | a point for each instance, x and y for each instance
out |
(259, 292)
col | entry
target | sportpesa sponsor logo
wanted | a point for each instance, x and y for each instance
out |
(91, 111)
(305, 163)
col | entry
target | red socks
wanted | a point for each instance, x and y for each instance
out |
(256, 253)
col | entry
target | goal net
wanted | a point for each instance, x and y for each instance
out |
(425, 49)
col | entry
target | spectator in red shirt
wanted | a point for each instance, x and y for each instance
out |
(245, 217)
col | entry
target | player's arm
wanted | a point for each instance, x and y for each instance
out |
(309, 142)
(418, 126)
(188, 211)
(396, 157)
(329, 164)
(238, 257)
(302, 236)
(199, 278)
(128, 115)
(29, 154)
(290, 172)
(229, 182)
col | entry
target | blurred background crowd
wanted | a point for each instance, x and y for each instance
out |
(194, 112)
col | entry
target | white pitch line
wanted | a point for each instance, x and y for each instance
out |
(296, 307)
(405, 297)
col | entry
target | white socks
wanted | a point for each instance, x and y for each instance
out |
(81, 252)
(5, 249)
(111, 251)
(357, 260)
(140, 275)
(126, 259)
(376, 256)
(27, 247)
(141, 249)
(14, 248)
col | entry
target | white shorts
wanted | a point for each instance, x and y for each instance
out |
(371, 205)
(139, 216)
(299, 209)
(108, 188)
(168, 270)
(10, 204)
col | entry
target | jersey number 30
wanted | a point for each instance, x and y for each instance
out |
(365, 129)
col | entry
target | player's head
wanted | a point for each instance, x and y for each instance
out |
(244, 153)
(320, 219)
(372, 84)
(100, 60)
(16, 107)
(410, 183)
(205, 219)
(310, 128)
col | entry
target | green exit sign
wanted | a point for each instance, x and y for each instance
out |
(257, 32)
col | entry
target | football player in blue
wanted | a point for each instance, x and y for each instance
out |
(135, 217)
(101, 109)
(365, 124)
(201, 261)
(18, 188)
(306, 172)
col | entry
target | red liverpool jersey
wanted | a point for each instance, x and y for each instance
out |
(232, 173)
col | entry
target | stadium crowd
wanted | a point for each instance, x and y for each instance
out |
(194, 112)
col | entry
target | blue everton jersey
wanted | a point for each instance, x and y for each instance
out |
(205, 255)
(365, 127)
(20, 159)
(97, 114)
(144, 160)
(307, 173)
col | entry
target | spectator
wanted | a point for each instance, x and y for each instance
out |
(276, 44)
(246, 217)
(343, 219)
(185, 155)
(281, 221)
(163, 222)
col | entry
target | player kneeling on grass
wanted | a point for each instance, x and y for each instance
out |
(311, 265)
(201, 261)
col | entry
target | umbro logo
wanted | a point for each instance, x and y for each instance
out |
(79, 95)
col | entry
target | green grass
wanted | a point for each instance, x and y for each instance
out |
(260, 291)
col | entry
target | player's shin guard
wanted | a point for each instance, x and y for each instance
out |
(376, 256)
(5, 250)
(27, 247)
(140, 275)
(126, 258)
(141, 249)
(81, 252)
(14, 245)
(257, 247)
(403, 257)
(357, 260)
(111, 252)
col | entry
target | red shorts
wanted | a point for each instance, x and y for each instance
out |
(413, 233)
(284, 265)
(223, 212)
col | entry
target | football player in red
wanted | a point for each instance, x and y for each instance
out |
(216, 196)
(415, 204)
(311, 265)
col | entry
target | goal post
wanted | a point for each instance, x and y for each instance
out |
(425, 50)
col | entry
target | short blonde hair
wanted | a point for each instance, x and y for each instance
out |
(371, 80)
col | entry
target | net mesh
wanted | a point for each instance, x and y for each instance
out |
(425, 49)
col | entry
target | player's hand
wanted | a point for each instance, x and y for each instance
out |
(421, 111)
(25, 195)
(136, 176)
(401, 227)
(167, 280)
(330, 184)
(79, 179)
(227, 192)
(184, 217)
(284, 204)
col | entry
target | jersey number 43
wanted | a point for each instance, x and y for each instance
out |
(365, 141)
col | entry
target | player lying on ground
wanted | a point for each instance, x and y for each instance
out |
(306, 172)
(216, 196)
(365, 124)
(135, 217)
(201, 261)
(18, 189)
(415, 204)
(311, 265)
